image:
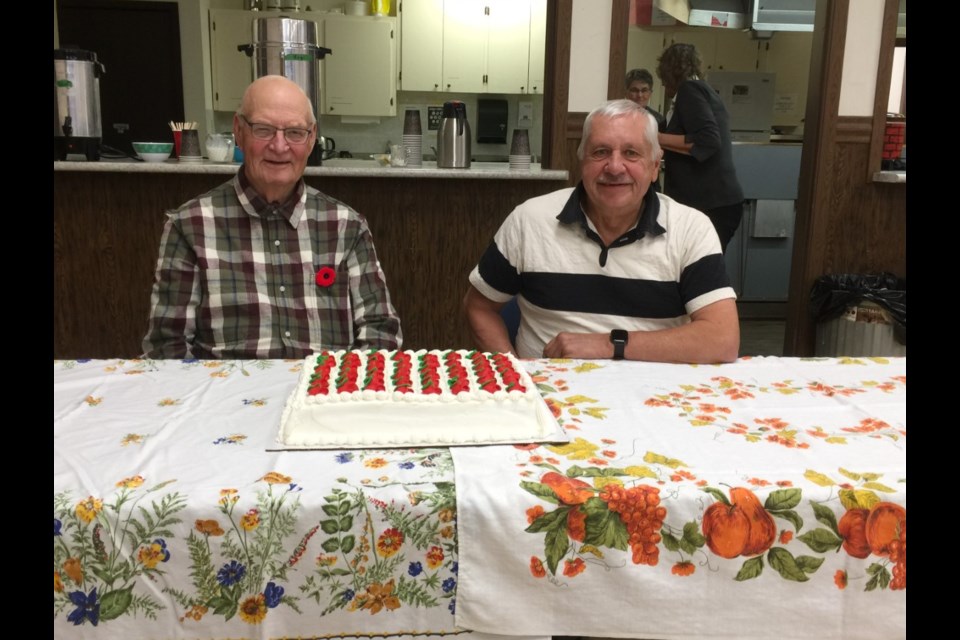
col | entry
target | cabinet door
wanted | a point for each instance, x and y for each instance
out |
(538, 44)
(464, 45)
(421, 45)
(736, 51)
(231, 70)
(508, 46)
(788, 55)
(360, 76)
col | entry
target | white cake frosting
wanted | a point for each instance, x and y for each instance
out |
(461, 412)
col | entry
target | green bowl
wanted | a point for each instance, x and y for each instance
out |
(153, 151)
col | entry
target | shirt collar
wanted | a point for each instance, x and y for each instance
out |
(256, 205)
(572, 213)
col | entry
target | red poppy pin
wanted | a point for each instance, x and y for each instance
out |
(326, 276)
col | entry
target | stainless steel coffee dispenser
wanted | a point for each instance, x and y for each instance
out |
(453, 137)
(288, 47)
(77, 128)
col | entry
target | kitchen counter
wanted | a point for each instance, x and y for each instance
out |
(336, 167)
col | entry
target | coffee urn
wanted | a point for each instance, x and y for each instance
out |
(453, 137)
(288, 47)
(76, 103)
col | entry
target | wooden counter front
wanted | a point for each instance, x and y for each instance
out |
(429, 234)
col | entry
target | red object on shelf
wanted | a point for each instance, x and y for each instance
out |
(894, 137)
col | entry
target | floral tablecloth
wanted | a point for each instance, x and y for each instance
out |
(171, 520)
(760, 499)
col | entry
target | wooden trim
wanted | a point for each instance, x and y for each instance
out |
(888, 38)
(619, 29)
(854, 129)
(556, 93)
(816, 165)
(574, 129)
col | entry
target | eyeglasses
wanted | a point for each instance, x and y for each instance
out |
(293, 135)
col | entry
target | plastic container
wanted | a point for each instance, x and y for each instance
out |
(860, 315)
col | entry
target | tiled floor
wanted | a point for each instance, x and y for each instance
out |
(761, 337)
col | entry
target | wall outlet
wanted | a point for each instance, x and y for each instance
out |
(524, 115)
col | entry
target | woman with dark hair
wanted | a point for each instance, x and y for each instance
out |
(698, 154)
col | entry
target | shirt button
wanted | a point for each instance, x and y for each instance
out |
(276, 243)
(286, 333)
(282, 288)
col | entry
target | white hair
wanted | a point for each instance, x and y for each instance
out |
(619, 109)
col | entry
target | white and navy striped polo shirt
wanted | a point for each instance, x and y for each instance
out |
(653, 277)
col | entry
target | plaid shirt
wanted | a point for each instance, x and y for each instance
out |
(237, 278)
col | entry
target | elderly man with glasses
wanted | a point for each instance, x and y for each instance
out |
(265, 266)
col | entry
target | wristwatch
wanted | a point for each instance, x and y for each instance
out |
(619, 339)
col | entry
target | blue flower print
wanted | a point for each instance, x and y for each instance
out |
(415, 569)
(448, 585)
(344, 458)
(406, 465)
(231, 573)
(348, 595)
(56, 527)
(272, 594)
(454, 568)
(453, 605)
(87, 608)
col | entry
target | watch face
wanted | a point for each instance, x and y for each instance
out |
(618, 336)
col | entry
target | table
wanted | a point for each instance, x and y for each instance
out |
(171, 520)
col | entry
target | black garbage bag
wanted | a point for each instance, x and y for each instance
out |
(834, 294)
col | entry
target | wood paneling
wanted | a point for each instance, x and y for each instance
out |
(557, 92)
(429, 234)
(619, 28)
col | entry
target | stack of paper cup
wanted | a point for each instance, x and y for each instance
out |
(413, 138)
(520, 150)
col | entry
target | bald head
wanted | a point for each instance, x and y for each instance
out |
(276, 90)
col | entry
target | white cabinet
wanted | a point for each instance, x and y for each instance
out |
(360, 76)
(486, 45)
(508, 46)
(231, 70)
(538, 44)
(472, 46)
(421, 49)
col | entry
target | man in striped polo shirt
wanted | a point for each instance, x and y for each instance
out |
(609, 268)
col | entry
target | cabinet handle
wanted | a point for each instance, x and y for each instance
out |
(436, 86)
(534, 89)
(521, 89)
(448, 87)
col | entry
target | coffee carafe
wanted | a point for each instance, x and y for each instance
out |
(453, 137)
(76, 103)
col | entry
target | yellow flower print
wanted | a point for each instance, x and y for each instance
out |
(379, 596)
(250, 520)
(326, 561)
(220, 374)
(57, 582)
(133, 438)
(276, 478)
(131, 483)
(375, 463)
(415, 497)
(168, 402)
(73, 569)
(88, 509)
(196, 612)
(389, 542)
(446, 532)
(91, 401)
(254, 609)
(445, 515)
(152, 555)
(212, 364)
(209, 527)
